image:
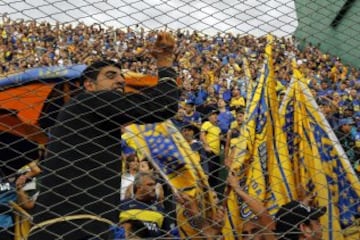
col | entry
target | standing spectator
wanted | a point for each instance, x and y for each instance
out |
(190, 133)
(225, 117)
(127, 178)
(85, 146)
(348, 142)
(210, 137)
(237, 100)
(210, 102)
(297, 221)
(355, 99)
(233, 134)
(144, 207)
(191, 116)
(330, 112)
(178, 119)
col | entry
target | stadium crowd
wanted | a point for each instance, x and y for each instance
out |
(210, 67)
(213, 89)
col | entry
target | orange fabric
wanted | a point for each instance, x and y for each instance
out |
(12, 124)
(136, 80)
(27, 100)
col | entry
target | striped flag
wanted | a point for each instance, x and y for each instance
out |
(320, 164)
(178, 164)
(261, 158)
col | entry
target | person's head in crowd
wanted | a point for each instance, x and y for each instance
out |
(221, 104)
(144, 186)
(251, 229)
(296, 221)
(353, 94)
(213, 116)
(181, 112)
(189, 107)
(357, 119)
(346, 124)
(235, 92)
(325, 106)
(211, 90)
(342, 86)
(324, 85)
(132, 163)
(190, 132)
(336, 97)
(103, 75)
(348, 111)
(145, 166)
(239, 117)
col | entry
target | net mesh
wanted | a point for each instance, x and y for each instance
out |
(196, 119)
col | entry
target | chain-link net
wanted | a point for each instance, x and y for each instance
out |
(179, 119)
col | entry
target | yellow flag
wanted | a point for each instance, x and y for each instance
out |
(320, 164)
(178, 164)
(261, 157)
(249, 82)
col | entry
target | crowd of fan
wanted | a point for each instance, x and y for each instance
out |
(210, 68)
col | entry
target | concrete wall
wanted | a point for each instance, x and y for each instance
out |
(315, 25)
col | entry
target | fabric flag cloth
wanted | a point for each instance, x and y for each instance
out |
(164, 146)
(320, 164)
(261, 159)
(249, 82)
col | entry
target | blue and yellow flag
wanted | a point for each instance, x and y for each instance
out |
(320, 164)
(178, 164)
(261, 157)
(249, 82)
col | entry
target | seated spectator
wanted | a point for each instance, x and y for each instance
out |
(297, 221)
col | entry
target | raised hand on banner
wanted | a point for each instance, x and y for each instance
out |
(163, 49)
(209, 227)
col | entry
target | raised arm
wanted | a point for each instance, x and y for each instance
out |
(254, 204)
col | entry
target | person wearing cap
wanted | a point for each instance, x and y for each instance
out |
(83, 161)
(297, 221)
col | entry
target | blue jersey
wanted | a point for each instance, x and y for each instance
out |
(152, 215)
